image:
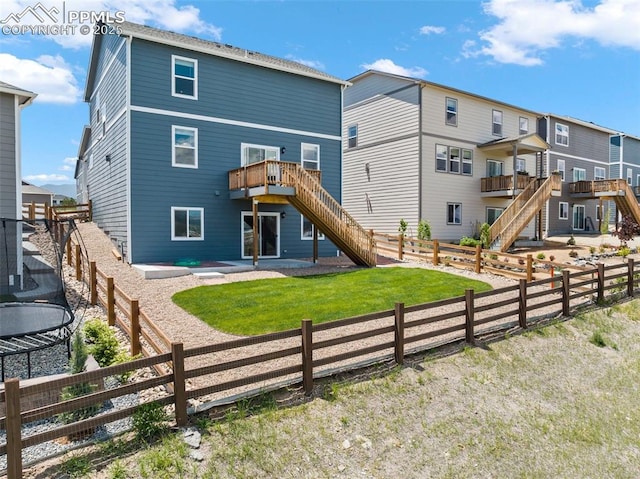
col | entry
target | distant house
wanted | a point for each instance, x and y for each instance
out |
(35, 194)
(201, 150)
(417, 150)
(12, 101)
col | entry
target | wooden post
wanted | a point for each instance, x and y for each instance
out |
(135, 328)
(552, 274)
(93, 283)
(399, 333)
(111, 302)
(179, 391)
(529, 268)
(307, 356)
(78, 263)
(90, 206)
(13, 423)
(478, 258)
(69, 255)
(600, 297)
(256, 230)
(630, 285)
(522, 304)
(436, 251)
(400, 246)
(565, 293)
(32, 210)
(469, 315)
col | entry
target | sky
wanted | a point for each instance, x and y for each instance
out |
(572, 58)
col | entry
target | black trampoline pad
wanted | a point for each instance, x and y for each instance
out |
(24, 319)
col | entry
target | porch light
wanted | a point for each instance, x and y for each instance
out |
(283, 150)
(283, 214)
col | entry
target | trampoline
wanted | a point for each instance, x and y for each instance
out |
(34, 310)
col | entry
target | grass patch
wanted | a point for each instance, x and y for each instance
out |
(269, 305)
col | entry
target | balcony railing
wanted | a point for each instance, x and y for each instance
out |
(265, 173)
(504, 183)
(596, 186)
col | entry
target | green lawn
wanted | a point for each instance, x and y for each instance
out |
(269, 305)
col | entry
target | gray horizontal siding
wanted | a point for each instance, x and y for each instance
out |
(8, 180)
(371, 86)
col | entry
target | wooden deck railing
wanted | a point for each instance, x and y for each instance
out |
(264, 173)
(301, 355)
(615, 186)
(33, 211)
(504, 183)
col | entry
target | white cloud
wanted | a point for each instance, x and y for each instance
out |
(162, 13)
(68, 164)
(429, 29)
(46, 178)
(386, 65)
(48, 76)
(318, 65)
(529, 27)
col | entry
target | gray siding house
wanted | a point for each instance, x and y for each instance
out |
(579, 151)
(174, 120)
(12, 101)
(625, 159)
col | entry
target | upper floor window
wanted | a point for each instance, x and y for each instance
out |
(441, 157)
(630, 176)
(185, 147)
(184, 77)
(187, 223)
(310, 156)
(452, 112)
(561, 169)
(454, 160)
(521, 165)
(562, 134)
(579, 174)
(258, 153)
(352, 136)
(494, 168)
(467, 162)
(496, 128)
(523, 128)
(599, 173)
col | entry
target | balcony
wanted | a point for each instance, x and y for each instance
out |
(598, 188)
(502, 186)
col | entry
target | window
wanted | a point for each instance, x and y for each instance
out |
(497, 123)
(257, 153)
(493, 214)
(310, 156)
(452, 112)
(579, 174)
(578, 217)
(599, 173)
(563, 210)
(184, 78)
(441, 158)
(523, 123)
(494, 168)
(187, 224)
(352, 136)
(630, 176)
(521, 165)
(454, 160)
(561, 169)
(185, 147)
(306, 229)
(467, 162)
(562, 134)
(454, 213)
(91, 161)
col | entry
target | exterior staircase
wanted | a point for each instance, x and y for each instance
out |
(301, 188)
(505, 230)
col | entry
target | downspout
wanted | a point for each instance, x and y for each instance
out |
(128, 148)
(342, 88)
(420, 185)
(548, 166)
(515, 173)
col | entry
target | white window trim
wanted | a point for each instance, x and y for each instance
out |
(495, 208)
(566, 204)
(584, 217)
(243, 146)
(555, 136)
(260, 214)
(598, 177)
(313, 145)
(173, 77)
(630, 176)
(313, 227)
(454, 223)
(91, 161)
(446, 112)
(446, 158)
(521, 164)
(173, 223)
(493, 123)
(497, 162)
(349, 136)
(451, 161)
(576, 170)
(173, 146)
(522, 131)
(562, 169)
(466, 162)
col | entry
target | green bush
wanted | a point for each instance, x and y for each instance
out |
(571, 241)
(150, 421)
(77, 364)
(624, 251)
(104, 345)
(467, 241)
(402, 229)
(485, 230)
(424, 230)
(540, 256)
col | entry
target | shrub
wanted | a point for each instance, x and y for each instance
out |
(104, 345)
(540, 256)
(77, 364)
(552, 258)
(627, 229)
(149, 421)
(571, 241)
(592, 250)
(604, 225)
(624, 251)
(424, 230)
(402, 229)
(467, 241)
(485, 230)
(573, 253)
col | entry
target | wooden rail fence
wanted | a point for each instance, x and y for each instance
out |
(310, 351)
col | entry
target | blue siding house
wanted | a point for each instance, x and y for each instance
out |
(204, 151)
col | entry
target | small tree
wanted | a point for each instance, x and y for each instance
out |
(485, 235)
(604, 225)
(68, 202)
(627, 230)
(424, 230)
(402, 229)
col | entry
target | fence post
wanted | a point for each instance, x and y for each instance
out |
(529, 268)
(522, 304)
(32, 210)
(179, 392)
(565, 292)
(111, 302)
(469, 315)
(630, 266)
(400, 246)
(13, 423)
(307, 356)
(478, 258)
(90, 203)
(135, 328)
(69, 255)
(600, 297)
(78, 263)
(93, 283)
(399, 333)
(436, 252)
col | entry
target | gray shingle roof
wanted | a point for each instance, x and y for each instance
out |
(8, 88)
